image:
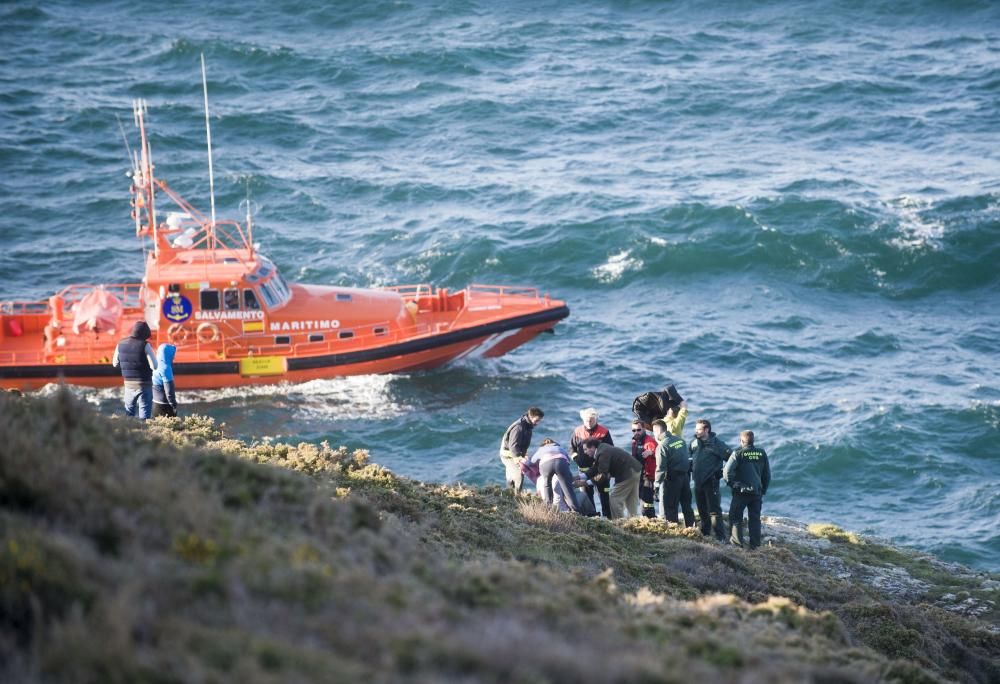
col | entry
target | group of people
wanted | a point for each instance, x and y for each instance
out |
(660, 464)
(149, 378)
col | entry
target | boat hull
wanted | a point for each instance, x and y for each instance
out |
(425, 352)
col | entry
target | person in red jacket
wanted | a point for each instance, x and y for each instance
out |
(644, 451)
(590, 429)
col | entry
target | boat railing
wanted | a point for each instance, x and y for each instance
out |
(129, 294)
(503, 291)
(23, 308)
(411, 291)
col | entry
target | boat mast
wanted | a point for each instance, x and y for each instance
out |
(142, 174)
(208, 136)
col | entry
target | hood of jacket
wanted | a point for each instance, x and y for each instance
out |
(141, 331)
(164, 363)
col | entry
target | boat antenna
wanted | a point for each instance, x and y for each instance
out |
(121, 128)
(249, 218)
(208, 136)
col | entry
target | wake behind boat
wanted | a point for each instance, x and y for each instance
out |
(235, 320)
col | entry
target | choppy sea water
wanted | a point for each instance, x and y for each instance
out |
(792, 212)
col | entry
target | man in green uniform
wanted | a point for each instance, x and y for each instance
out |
(673, 473)
(709, 454)
(748, 474)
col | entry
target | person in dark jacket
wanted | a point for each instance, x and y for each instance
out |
(709, 454)
(591, 429)
(514, 446)
(135, 358)
(748, 474)
(673, 473)
(164, 397)
(616, 463)
(644, 451)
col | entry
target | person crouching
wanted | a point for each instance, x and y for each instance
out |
(612, 462)
(553, 462)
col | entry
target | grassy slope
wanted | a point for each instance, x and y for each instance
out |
(168, 553)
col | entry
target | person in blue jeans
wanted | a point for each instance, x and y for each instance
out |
(553, 462)
(135, 358)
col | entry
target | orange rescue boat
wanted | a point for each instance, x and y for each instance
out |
(235, 321)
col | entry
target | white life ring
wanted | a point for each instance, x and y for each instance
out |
(207, 333)
(177, 333)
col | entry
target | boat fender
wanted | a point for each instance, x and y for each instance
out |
(207, 332)
(177, 333)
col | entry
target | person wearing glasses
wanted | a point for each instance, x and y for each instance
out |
(644, 452)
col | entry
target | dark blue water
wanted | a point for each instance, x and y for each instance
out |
(792, 212)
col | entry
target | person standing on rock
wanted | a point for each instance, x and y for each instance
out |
(134, 356)
(644, 452)
(591, 429)
(673, 474)
(709, 454)
(748, 474)
(164, 394)
(514, 446)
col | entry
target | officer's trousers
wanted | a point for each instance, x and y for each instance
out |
(706, 495)
(752, 503)
(677, 490)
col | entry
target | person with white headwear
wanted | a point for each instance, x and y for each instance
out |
(591, 429)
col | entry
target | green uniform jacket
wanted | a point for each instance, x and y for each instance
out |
(672, 459)
(749, 466)
(709, 456)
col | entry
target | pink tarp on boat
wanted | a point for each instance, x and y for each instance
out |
(98, 311)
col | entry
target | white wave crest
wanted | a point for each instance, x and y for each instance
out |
(914, 230)
(615, 267)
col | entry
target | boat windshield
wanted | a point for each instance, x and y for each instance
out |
(275, 291)
(265, 269)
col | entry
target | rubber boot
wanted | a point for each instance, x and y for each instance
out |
(738, 537)
(719, 527)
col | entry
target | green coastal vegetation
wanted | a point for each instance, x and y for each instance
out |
(168, 552)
